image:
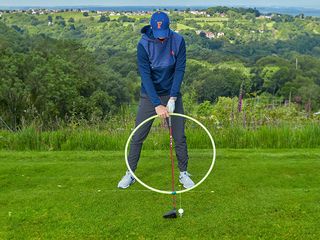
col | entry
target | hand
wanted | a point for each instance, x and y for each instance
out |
(171, 104)
(162, 111)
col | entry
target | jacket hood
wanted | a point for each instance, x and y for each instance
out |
(148, 34)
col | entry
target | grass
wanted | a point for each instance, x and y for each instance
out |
(283, 136)
(252, 194)
(270, 25)
(234, 65)
(202, 24)
(181, 26)
(209, 19)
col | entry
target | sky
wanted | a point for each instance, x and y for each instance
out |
(252, 3)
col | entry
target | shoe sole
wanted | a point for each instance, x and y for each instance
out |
(128, 185)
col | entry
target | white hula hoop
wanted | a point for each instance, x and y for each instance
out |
(170, 192)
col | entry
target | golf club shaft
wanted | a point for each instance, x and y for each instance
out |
(172, 164)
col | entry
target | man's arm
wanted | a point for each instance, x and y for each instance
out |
(179, 70)
(145, 73)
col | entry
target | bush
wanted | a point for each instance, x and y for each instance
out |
(126, 19)
(104, 18)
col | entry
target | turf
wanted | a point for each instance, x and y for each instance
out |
(251, 194)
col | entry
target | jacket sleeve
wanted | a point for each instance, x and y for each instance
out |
(145, 73)
(179, 70)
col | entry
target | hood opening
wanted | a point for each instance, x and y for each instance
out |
(147, 31)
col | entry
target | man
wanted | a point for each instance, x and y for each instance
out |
(161, 62)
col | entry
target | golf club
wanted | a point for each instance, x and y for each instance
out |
(173, 212)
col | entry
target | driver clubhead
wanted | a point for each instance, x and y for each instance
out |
(171, 214)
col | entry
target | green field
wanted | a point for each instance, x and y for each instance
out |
(209, 19)
(181, 26)
(251, 194)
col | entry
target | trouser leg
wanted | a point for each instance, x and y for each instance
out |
(145, 111)
(180, 140)
(178, 133)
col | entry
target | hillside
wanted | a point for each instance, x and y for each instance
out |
(93, 53)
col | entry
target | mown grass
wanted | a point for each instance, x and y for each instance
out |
(209, 19)
(251, 194)
(284, 136)
(181, 26)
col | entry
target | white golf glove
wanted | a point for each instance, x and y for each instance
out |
(171, 104)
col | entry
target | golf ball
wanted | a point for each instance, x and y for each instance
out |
(180, 211)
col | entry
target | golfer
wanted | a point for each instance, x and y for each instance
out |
(161, 62)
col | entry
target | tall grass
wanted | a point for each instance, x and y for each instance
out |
(283, 136)
(257, 126)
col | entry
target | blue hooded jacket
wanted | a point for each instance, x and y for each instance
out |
(161, 64)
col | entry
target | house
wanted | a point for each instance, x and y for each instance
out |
(196, 12)
(210, 35)
(220, 34)
(264, 17)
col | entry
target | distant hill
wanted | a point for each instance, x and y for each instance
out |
(290, 10)
(284, 10)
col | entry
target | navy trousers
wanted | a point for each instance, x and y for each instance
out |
(146, 110)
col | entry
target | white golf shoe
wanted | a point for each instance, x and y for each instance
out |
(126, 181)
(185, 179)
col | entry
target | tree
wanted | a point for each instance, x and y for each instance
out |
(56, 79)
(251, 17)
(62, 23)
(302, 88)
(126, 19)
(35, 21)
(104, 18)
(202, 34)
(85, 14)
(218, 82)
